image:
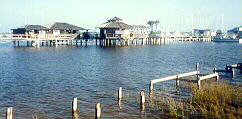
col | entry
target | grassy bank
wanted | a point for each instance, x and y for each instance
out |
(213, 100)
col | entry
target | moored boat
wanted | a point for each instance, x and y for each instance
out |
(219, 39)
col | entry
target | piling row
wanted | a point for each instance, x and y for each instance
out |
(229, 68)
(9, 113)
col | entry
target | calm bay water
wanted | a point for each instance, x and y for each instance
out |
(43, 81)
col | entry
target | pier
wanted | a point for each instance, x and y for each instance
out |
(74, 39)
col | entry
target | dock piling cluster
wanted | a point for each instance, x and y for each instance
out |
(229, 68)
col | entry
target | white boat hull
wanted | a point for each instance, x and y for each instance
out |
(225, 40)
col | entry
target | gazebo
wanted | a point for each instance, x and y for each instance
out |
(114, 28)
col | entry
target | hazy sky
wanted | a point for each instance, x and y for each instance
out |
(207, 14)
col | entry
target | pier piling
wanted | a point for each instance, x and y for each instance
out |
(142, 100)
(9, 114)
(74, 105)
(97, 111)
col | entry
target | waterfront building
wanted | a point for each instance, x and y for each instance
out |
(29, 29)
(202, 32)
(114, 28)
(54, 33)
(139, 31)
(55, 28)
(62, 28)
(235, 32)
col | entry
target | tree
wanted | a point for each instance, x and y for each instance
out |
(156, 24)
(151, 24)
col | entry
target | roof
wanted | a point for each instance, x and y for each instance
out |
(114, 22)
(34, 27)
(114, 25)
(63, 26)
(115, 19)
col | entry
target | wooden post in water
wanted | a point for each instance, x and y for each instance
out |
(14, 43)
(120, 93)
(197, 66)
(97, 111)
(142, 100)
(74, 105)
(9, 114)
(151, 87)
(120, 96)
(34, 117)
(233, 72)
(198, 82)
(177, 80)
(215, 70)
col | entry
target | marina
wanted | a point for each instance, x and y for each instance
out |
(91, 75)
(129, 59)
(112, 32)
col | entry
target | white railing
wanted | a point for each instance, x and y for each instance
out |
(39, 36)
(171, 77)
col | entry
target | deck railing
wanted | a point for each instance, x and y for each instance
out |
(40, 36)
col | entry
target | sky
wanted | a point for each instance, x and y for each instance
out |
(177, 14)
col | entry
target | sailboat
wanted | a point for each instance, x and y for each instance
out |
(224, 38)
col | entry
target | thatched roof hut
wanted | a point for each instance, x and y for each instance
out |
(112, 27)
(63, 26)
(28, 28)
(32, 27)
(114, 22)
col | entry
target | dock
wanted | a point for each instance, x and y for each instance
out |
(75, 39)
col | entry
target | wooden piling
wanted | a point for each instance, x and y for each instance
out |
(233, 72)
(9, 114)
(74, 105)
(177, 80)
(151, 87)
(34, 117)
(97, 111)
(142, 100)
(198, 82)
(197, 66)
(215, 70)
(120, 93)
(228, 67)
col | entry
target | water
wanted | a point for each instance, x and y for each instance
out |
(43, 81)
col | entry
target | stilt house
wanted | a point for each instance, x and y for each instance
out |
(114, 28)
(62, 28)
(29, 29)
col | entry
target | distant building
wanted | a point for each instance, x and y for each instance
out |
(235, 32)
(29, 28)
(115, 28)
(139, 31)
(62, 28)
(54, 28)
(202, 32)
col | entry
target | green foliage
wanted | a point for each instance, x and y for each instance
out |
(151, 24)
(213, 100)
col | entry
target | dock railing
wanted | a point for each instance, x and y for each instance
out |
(207, 77)
(172, 77)
(40, 36)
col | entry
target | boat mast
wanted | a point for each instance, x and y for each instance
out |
(192, 26)
(222, 23)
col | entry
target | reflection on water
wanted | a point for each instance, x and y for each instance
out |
(43, 81)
